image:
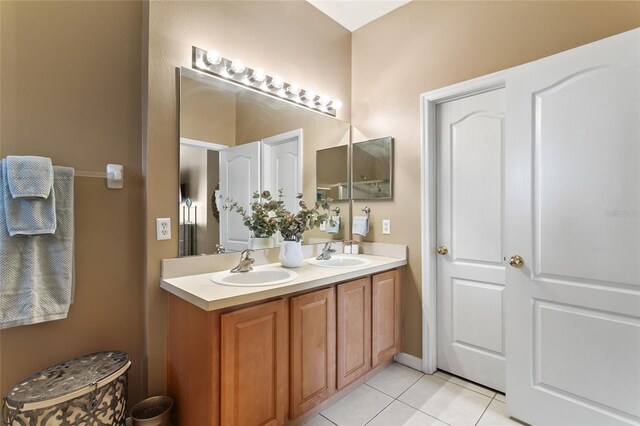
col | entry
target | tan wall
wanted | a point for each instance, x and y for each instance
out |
(427, 45)
(289, 38)
(207, 114)
(70, 82)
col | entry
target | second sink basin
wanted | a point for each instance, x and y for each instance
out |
(340, 261)
(256, 278)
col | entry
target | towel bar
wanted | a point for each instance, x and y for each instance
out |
(114, 175)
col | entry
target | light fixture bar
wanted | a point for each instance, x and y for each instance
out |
(234, 70)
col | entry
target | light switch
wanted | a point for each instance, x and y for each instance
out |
(163, 228)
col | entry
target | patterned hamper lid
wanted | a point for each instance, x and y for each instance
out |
(68, 380)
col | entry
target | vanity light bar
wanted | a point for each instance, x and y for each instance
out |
(233, 69)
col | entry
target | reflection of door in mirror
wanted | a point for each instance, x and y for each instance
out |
(271, 164)
(282, 167)
(239, 179)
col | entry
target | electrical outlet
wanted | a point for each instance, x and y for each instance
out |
(386, 226)
(163, 228)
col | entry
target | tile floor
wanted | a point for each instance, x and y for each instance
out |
(401, 396)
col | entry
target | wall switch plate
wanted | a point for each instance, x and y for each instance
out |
(163, 228)
(386, 226)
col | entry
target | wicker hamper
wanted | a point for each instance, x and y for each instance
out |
(90, 391)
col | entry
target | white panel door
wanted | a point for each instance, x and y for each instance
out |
(573, 214)
(282, 166)
(239, 179)
(471, 275)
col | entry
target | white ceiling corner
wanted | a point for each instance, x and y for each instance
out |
(353, 14)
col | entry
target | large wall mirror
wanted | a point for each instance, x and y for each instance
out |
(234, 141)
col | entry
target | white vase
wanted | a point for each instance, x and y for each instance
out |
(259, 243)
(291, 254)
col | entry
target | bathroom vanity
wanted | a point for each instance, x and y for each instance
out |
(278, 354)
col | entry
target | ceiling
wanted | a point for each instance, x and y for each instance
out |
(353, 14)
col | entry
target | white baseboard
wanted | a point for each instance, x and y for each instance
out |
(409, 360)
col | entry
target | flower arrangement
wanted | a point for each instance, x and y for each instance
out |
(292, 225)
(268, 215)
(265, 215)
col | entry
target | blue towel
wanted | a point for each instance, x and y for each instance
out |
(360, 225)
(29, 176)
(27, 216)
(333, 225)
(36, 272)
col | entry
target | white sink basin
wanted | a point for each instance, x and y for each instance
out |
(256, 278)
(340, 261)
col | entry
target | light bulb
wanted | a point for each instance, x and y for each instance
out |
(276, 82)
(214, 57)
(236, 66)
(258, 75)
(309, 95)
(293, 89)
(323, 100)
(336, 104)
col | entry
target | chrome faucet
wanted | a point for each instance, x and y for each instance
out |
(220, 249)
(326, 251)
(245, 262)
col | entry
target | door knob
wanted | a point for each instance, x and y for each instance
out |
(516, 261)
(443, 250)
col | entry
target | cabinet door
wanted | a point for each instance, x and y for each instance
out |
(386, 306)
(313, 350)
(354, 330)
(253, 365)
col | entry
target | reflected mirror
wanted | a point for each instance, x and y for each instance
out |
(372, 169)
(332, 173)
(235, 141)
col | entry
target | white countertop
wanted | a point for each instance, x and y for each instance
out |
(204, 293)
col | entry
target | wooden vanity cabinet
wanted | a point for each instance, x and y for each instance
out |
(386, 297)
(312, 350)
(354, 330)
(253, 365)
(280, 362)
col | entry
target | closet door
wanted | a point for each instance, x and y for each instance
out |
(573, 236)
(470, 271)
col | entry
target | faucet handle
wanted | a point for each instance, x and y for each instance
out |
(328, 247)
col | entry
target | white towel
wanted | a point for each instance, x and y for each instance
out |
(27, 216)
(335, 227)
(361, 225)
(36, 272)
(29, 176)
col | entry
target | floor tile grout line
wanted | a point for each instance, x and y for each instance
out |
(378, 413)
(320, 414)
(401, 393)
(485, 410)
(424, 412)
